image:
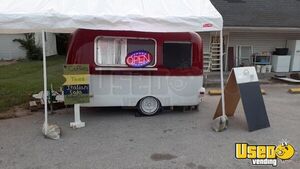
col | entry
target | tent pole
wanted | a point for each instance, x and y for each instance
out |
(221, 72)
(45, 83)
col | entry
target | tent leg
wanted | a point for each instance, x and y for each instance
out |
(45, 84)
(77, 122)
(221, 72)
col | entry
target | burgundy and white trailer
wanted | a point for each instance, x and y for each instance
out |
(143, 69)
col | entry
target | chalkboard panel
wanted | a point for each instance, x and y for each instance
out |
(177, 55)
(254, 106)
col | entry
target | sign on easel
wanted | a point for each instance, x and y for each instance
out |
(243, 84)
(76, 87)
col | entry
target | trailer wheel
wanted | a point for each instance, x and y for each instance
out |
(149, 106)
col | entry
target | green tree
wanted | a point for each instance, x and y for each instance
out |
(33, 52)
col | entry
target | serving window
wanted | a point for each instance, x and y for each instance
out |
(177, 55)
(112, 51)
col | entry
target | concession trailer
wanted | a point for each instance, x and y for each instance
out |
(148, 70)
(128, 66)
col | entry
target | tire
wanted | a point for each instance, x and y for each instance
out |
(149, 106)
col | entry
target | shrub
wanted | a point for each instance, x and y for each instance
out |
(33, 52)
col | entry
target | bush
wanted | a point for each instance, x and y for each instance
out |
(33, 52)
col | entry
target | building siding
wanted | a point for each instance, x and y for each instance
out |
(205, 39)
(50, 43)
(261, 41)
(10, 50)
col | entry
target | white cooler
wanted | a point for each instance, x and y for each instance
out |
(281, 63)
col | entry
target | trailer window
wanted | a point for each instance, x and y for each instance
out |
(112, 51)
(142, 44)
(177, 55)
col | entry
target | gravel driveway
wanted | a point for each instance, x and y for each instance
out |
(115, 138)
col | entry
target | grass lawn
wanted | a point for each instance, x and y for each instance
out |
(20, 80)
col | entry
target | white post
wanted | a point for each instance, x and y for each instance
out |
(45, 83)
(222, 78)
(77, 122)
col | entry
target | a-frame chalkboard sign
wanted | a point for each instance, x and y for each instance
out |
(243, 84)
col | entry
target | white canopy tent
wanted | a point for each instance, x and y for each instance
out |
(137, 15)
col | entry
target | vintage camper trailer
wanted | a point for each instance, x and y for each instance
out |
(141, 69)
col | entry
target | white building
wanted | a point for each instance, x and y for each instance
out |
(254, 26)
(10, 50)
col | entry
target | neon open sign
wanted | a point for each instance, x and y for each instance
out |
(138, 59)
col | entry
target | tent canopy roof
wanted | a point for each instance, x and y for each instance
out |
(21, 16)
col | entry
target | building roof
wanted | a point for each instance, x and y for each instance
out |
(259, 13)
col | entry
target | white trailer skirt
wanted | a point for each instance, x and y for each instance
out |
(127, 90)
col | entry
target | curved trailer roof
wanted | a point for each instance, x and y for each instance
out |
(137, 15)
